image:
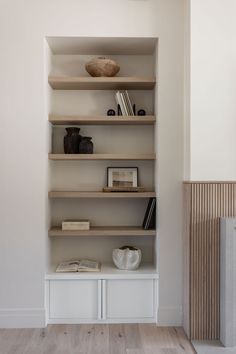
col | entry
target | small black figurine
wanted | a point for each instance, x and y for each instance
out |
(111, 112)
(86, 145)
(119, 113)
(72, 140)
(141, 112)
(134, 109)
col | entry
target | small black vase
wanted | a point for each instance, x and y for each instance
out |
(72, 141)
(86, 145)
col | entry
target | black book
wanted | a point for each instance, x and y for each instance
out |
(149, 212)
(150, 215)
(152, 221)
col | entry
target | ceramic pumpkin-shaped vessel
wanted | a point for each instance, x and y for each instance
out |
(127, 257)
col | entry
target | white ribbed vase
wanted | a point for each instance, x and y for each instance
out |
(127, 259)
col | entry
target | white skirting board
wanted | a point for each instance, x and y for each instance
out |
(170, 316)
(228, 282)
(23, 318)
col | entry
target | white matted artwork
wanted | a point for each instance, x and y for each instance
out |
(122, 177)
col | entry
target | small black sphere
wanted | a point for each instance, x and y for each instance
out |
(141, 112)
(111, 112)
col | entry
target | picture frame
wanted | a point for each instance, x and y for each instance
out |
(122, 177)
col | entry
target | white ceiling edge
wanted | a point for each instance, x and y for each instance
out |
(102, 45)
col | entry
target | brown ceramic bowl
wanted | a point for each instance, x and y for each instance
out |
(102, 67)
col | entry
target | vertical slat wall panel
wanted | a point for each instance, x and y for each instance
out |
(207, 201)
(186, 242)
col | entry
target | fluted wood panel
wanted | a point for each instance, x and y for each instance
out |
(207, 202)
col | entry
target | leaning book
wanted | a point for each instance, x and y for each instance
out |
(83, 265)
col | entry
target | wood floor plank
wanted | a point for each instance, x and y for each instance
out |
(9, 340)
(100, 343)
(56, 340)
(85, 339)
(153, 337)
(96, 339)
(34, 341)
(132, 336)
(165, 338)
(183, 341)
(149, 340)
(116, 339)
(74, 338)
(134, 351)
(169, 351)
(171, 334)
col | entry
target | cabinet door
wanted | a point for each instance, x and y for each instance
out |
(130, 300)
(73, 299)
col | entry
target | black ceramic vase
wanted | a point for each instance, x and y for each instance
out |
(86, 145)
(72, 141)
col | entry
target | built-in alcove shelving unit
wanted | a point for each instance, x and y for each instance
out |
(77, 180)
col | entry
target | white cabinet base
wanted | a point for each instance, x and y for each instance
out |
(73, 299)
(101, 301)
(130, 300)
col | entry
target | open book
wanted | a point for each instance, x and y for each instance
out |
(83, 265)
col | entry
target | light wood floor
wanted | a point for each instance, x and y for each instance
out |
(95, 339)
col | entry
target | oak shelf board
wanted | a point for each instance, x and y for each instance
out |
(101, 83)
(102, 120)
(103, 231)
(108, 271)
(69, 157)
(102, 45)
(79, 194)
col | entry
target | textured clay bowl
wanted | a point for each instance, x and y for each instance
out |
(102, 67)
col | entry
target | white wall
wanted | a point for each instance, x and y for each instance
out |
(23, 143)
(213, 90)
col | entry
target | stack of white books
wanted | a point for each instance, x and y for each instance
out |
(123, 100)
(75, 225)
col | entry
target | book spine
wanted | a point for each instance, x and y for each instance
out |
(124, 104)
(119, 101)
(129, 104)
(152, 224)
(147, 225)
(147, 212)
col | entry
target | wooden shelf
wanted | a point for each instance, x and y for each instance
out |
(103, 231)
(102, 156)
(78, 194)
(102, 120)
(108, 271)
(101, 83)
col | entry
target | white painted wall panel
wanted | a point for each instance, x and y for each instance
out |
(24, 135)
(213, 87)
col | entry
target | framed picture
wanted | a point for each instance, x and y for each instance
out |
(122, 177)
